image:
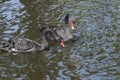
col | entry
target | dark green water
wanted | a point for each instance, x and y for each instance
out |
(95, 55)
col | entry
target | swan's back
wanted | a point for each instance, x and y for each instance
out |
(25, 44)
(19, 44)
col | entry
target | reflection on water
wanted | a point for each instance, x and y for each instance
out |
(93, 55)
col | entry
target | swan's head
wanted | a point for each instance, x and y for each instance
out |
(52, 35)
(55, 36)
(69, 20)
(60, 40)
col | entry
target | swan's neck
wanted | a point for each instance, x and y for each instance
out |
(44, 42)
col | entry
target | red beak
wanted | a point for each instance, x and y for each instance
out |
(62, 43)
(72, 24)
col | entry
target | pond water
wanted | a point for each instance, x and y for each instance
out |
(94, 55)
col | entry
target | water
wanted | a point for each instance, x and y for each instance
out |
(93, 56)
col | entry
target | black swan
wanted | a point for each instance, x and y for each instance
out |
(26, 45)
(65, 32)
